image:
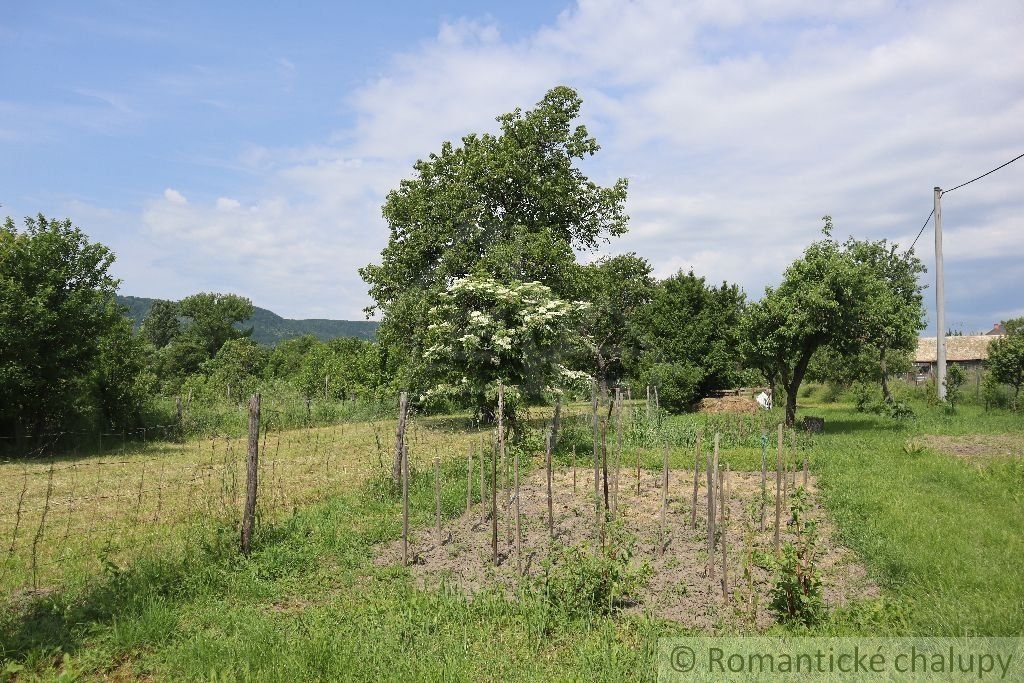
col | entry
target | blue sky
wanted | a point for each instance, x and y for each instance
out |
(247, 147)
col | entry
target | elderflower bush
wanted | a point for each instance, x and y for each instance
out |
(483, 331)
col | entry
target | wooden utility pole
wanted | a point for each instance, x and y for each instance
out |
(940, 302)
(252, 462)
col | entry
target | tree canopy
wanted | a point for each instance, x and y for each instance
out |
(60, 330)
(512, 206)
(844, 296)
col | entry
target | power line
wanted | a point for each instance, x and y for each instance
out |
(932, 213)
(1021, 156)
(921, 231)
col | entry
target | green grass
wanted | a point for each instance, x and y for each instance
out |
(942, 536)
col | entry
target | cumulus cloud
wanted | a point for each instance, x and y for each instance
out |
(738, 125)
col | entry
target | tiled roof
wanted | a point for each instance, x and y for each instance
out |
(963, 348)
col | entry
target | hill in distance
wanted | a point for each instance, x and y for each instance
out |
(269, 328)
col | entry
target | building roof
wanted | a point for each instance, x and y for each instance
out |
(997, 329)
(961, 348)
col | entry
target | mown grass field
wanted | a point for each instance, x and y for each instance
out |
(941, 533)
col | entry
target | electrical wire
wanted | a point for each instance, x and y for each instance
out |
(1021, 156)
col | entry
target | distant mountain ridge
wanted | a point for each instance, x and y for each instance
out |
(268, 327)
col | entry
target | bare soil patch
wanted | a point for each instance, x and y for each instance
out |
(679, 588)
(976, 445)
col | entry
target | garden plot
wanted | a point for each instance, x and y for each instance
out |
(677, 585)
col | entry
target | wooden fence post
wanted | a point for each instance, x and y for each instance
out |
(696, 479)
(396, 463)
(618, 451)
(494, 479)
(251, 473)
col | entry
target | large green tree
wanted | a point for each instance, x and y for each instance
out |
(58, 320)
(211, 318)
(512, 206)
(889, 321)
(829, 296)
(616, 289)
(1006, 358)
(161, 325)
(688, 335)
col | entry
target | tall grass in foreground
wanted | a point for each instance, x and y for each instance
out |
(941, 534)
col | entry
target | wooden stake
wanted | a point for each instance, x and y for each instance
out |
(519, 528)
(596, 437)
(764, 476)
(501, 455)
(494, 505)
(251, 473)
(725, 543)
(778, 491)
(556, 422)
(696, 479)
(551, 505)
(618, 451)
(469, 479)
(437, 497)
(574, 469)
(712, 462)
(664, 499)
(396, 463)
(404, 461)
(805, 472)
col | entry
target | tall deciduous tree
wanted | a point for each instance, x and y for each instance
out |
(616, 288)
(688, 335)
(211, 318)
(57, 313)
(827, 297)
(161, 325)
(513, 206)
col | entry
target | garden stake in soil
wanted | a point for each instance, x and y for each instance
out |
(696, 479)
(519, 528)
(711, 512)
(551, 512)
(618, 451)
(805, 472)
(437, 496)
(404, 467)
(664, 500)
(725, 543)
(469, 480)
(598, 525)
(778, 491)
(764, 475)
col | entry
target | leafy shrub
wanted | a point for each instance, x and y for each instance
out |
(797, 596)
(582, 583)
(678, 385)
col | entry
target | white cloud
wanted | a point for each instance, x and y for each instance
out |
(738, 124)
(174, 197)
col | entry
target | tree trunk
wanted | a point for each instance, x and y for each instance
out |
(793, 386)
(885, 377)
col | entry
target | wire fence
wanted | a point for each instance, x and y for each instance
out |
(66, 517)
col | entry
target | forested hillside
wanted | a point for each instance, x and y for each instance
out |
(268, 327)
